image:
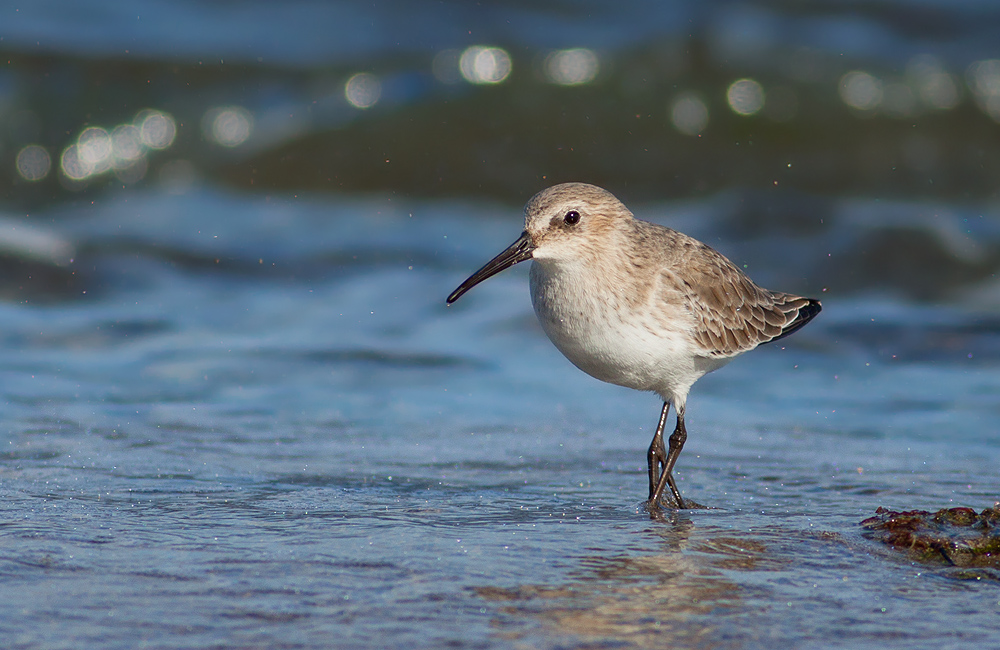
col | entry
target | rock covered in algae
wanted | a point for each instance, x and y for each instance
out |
(957, 536)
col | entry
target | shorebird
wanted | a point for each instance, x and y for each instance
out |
(640, 305)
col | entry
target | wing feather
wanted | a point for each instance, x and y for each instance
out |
(731, 314)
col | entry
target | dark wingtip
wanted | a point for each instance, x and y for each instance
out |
(806, 313)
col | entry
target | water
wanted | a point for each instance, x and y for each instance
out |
(237, 412)
(313, 450)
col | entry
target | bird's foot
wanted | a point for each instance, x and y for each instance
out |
(669, 503)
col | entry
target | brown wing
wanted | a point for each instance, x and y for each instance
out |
(731, 313)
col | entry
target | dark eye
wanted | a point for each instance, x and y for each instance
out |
(572, 217)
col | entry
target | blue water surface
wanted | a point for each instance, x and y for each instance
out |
(237, 412)
(239, 437)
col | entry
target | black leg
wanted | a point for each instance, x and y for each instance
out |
(657, 455)
(677, 439)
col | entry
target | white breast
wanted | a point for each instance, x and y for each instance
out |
(644, 345)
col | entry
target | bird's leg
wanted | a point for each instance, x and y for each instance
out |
(657, 455)
(677, 439)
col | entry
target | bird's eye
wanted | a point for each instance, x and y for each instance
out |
(572, 217)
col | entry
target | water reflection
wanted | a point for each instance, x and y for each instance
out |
(667, 597)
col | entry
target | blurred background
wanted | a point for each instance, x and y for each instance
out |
(794, 120)
(229, 382)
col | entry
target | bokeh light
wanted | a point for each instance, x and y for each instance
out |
(94, 149)
(126, 144)
(689, 113)
(983, 79)
(229, 126)
(484, 65)
(937, 89)
(73, 165)
(363, 90)
(571, 67)
(33, 162)
(157, 129)
(97, 150)
(861, 90)
(745, 97)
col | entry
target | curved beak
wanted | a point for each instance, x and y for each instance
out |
(516, 252)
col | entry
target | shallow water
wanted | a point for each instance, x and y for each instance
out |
(313, 450)
(237, 412)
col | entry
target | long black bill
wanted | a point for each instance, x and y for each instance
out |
(516, 252)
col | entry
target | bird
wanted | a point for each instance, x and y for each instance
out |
(640, 305)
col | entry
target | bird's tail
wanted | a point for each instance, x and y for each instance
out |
(800, 311)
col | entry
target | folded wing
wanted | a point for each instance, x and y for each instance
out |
(731, 313)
